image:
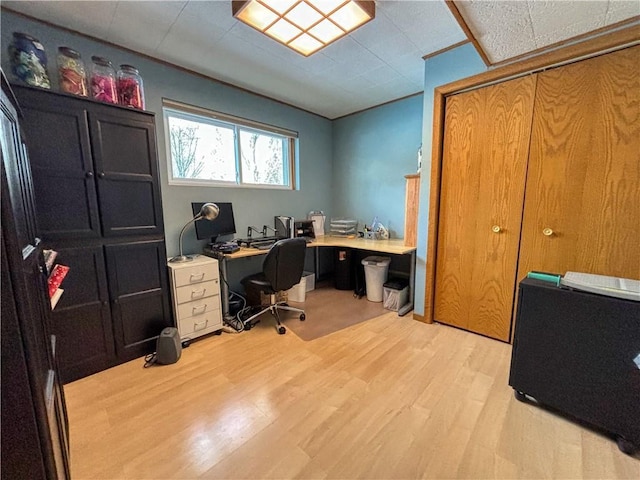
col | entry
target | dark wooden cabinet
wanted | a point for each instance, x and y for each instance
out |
(578, 353)
(35, 441)
(97, 197)
(137, 282)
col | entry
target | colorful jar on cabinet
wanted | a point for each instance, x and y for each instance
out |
(103, 80)
(130, 88)
(72, 73)
(28, 60)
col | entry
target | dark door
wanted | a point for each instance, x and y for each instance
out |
(139, 293)
(82, 317)
(60, 156)
(124, 149)
(18, 174)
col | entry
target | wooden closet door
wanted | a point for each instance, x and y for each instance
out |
(584, 170)
(486, 143)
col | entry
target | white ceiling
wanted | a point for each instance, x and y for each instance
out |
(380, 62)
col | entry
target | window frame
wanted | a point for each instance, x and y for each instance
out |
(197, 114)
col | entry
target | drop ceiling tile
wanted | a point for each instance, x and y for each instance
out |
(406, 14)
(376, 31)
(392, 46)
(188, 39)
(143, 25)
(94, 17)
(216, 13)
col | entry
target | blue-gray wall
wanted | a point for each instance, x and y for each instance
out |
(372, 152)
(445, 68)
(252, 206)
(352, 167)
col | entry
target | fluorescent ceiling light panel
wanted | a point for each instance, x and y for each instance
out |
(306, 26)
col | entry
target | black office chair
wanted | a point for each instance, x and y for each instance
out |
(281, 270)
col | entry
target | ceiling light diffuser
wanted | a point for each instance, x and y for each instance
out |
(306, 26)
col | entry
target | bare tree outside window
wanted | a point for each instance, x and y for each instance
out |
(262, 158)
(207, 149)
(184, 144)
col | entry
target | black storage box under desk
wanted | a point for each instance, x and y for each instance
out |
(577, 352)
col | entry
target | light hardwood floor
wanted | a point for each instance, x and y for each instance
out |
(387, 398)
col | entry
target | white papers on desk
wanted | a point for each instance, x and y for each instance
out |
(603, 285)
(318, 223)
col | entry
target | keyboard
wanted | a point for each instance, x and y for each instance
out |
(262, 245)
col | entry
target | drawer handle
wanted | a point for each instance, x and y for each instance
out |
(200, 325)
(196, 277)
(199, 310)
(198, 293)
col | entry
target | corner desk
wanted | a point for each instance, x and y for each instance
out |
(391, 247)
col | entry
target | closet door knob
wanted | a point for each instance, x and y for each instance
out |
(88, 174)
(496, 229)
(547, 232)
(101, 174)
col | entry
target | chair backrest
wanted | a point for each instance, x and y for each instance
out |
(284, 263)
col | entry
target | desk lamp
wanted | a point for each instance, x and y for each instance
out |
(209, 211)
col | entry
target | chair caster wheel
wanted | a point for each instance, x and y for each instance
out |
(625, 446)
(218, 332)
(186, 343)
(282, 330)
(521, 397)
(303, 317)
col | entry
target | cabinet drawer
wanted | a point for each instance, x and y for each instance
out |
(200, 324)
(199, 307)
(189, 293)
(195, 274)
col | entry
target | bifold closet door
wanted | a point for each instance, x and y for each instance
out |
(582, 209)
(484, 164)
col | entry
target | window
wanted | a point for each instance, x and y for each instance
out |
(209, 148)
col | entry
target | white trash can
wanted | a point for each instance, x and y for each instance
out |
(375, 274)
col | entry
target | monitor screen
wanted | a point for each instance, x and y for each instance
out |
(224, 224)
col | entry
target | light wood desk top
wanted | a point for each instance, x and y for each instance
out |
(394, 246)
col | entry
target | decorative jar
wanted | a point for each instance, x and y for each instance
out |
(103, 80)
(71, 72)
(28, 60)
(130, 88)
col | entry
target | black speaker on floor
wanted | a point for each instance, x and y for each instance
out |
(168, 348)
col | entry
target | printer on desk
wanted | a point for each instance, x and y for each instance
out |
(304, 228)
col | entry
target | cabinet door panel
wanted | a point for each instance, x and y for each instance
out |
(18, 174)
(60, 156)
(584, 169)
(126, 160)
(483, 176)
(82, 317)
(139, 294)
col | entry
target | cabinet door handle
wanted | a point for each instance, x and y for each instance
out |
(199, 310)
(88, 174)
(196, 276)
(496, 229)
(198, 293)
(547, 232)
(101, 174)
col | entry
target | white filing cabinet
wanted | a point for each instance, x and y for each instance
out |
(195, 289)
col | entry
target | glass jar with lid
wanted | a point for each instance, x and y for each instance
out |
(130, 88)
(28, 60)
(103, 80)
(71, 72)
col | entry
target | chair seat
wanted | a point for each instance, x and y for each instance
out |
(258, 280)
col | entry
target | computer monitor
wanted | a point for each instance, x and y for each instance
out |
(224, 224)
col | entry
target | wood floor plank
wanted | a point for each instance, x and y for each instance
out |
(389, 398)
